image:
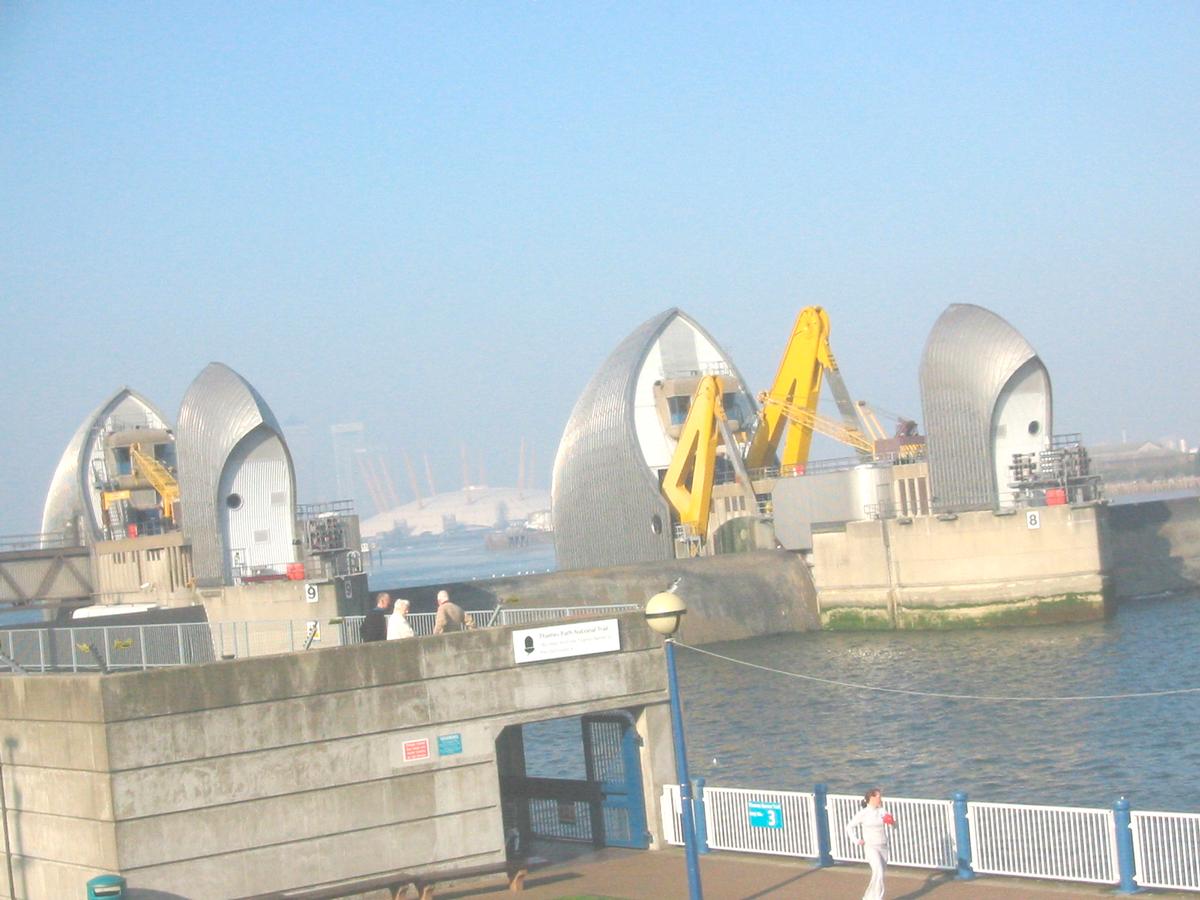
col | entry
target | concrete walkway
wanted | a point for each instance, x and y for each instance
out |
(637, 875)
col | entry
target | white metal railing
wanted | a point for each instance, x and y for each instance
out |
(1053, 842)
(923, 837)
(671, 808)
(1062, 842)
(727, 819)
(1166, 850)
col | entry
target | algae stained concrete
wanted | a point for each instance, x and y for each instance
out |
(976, 568)
(240, 777)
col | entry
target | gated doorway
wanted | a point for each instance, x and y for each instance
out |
(577, 779)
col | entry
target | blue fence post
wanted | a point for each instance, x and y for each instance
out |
(962, 837)
(821, 807)
(701, 817)
(1124, 826)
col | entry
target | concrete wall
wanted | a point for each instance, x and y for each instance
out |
(1153, 547)
(160, 562)
(261, 774)
(839, 496)
(729, 597)
(975, 569)
(270, 601)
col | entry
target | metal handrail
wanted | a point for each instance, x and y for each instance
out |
(1030, 841)
(114, 648)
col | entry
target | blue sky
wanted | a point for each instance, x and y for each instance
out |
(438, 219)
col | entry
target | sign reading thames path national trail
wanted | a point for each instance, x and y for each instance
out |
(561, 641)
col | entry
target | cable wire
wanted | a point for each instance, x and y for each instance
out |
(937, 694)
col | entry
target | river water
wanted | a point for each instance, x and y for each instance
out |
(751, 728)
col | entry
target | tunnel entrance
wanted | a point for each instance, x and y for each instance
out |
(577, 779)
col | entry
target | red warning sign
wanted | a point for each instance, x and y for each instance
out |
(416, 750)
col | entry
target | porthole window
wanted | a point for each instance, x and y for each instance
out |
(1035, 426)
(656, 524)
(234, 501)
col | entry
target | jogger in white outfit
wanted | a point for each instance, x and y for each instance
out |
(872, 822)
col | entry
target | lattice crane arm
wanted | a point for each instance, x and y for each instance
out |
(812, 421)
(793, 397)
(159, 476)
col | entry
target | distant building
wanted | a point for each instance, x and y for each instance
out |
(349, 442)
(236, 478)
(986, 397)
(620, 437)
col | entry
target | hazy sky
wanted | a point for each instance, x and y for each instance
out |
(439, 219)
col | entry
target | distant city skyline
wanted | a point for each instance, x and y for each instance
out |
(439, 221)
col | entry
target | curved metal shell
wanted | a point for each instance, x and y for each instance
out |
(970, 358)
(608, 508)
(72, 502)
(222, 419)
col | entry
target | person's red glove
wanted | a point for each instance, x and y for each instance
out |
(889, 819)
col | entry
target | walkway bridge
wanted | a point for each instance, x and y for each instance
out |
(43, 570)
(239, 777)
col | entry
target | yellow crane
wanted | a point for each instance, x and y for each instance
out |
(150, 470)
(789, 407)
(791, 403)
(159, 477)
(688, 481)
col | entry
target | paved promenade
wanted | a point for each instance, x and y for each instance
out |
(634, 875)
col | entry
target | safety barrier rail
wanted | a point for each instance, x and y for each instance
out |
(40, 541)
(1066, 843)
(727, 816)
(1166, 850)
(90, 648)
(531, 616)
(1103, 846)
(926, 841)
(98, 648)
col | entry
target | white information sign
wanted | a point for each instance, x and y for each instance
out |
(311, 594)
(562, 641)
(1033, 518)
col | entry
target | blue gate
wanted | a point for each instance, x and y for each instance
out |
(610, 747)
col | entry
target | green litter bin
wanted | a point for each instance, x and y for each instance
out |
(105, 887)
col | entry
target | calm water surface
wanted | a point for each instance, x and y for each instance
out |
(752, 728)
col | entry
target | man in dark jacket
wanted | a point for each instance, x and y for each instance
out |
(374, 626)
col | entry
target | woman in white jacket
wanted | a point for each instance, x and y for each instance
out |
(872, 823)
(398, 626)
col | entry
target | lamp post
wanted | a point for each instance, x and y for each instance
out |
(663, 613)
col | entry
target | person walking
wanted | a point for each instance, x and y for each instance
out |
(451, 616)
(374, 626)
(872, 823)
(397, 623)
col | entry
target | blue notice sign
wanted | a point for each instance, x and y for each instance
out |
(449, 744)
(765, 815)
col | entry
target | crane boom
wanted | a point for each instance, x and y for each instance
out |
(793, 397)
(812, 421)
(688, 481)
